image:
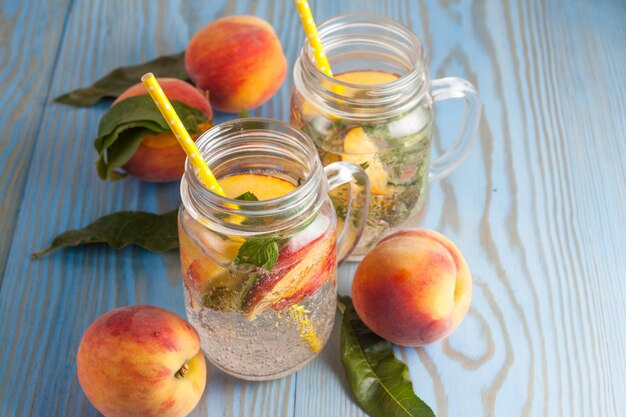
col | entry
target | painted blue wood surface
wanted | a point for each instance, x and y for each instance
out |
(537, 208)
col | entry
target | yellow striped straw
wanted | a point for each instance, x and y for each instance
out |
(314, 39)
(190, 148)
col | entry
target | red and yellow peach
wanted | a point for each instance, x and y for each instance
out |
(238, 59)
(413, 288)
(141, 361)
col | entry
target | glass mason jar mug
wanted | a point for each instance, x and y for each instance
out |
(377, 111)
(259, 270)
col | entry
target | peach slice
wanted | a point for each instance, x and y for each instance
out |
(359, 149)
(188, 250)
(203, 273)
(326, 272)
(264, 187)
(300, 270)
(367, 77)
(204, 258)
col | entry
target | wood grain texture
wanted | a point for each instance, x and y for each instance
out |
(27, 60)
(537, 208)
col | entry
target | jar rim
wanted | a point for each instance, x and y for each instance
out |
(335, 23)
(228, 139)
(381, 36)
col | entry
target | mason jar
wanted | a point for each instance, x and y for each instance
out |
(259, 271)
(378, 112)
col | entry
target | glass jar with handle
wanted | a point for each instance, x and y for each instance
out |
(259, 265)
(377, 111)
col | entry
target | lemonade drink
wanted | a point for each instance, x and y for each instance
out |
(394, 152)
(263, 306)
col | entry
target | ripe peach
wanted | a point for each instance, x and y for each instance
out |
(160, 158)
(413, 288)
(239, 59)
(141, 361)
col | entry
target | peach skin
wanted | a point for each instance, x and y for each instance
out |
(239, 60)
(413, 288)
(174, 89)
(141, 361)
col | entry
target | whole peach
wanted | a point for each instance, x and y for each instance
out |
(141, 361)
(159, 157)
(239, 60)
(413, 288)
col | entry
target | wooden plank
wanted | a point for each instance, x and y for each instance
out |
(28, 55)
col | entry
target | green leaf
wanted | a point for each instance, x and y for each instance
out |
(247, 196)
(243, 113)
(155, 232)
(222, 299)
(105, 140)
(120, 79)
(261, 252)
(119, 153)
(227, 298)
(121, 129)
(364, 165)
(379, 381)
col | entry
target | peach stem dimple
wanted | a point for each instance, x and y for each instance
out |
(182, 371)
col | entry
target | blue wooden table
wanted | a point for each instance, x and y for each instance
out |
(538, 208)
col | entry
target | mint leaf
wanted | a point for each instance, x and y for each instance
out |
(379, 382)
(247, 196)
(155, 232)
(116, 82)
(365, 165)
(122, 128)
(261, 252)
(222, 299)
(229, 299)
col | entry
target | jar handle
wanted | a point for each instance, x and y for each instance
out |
(340, 173)
(444, 89)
